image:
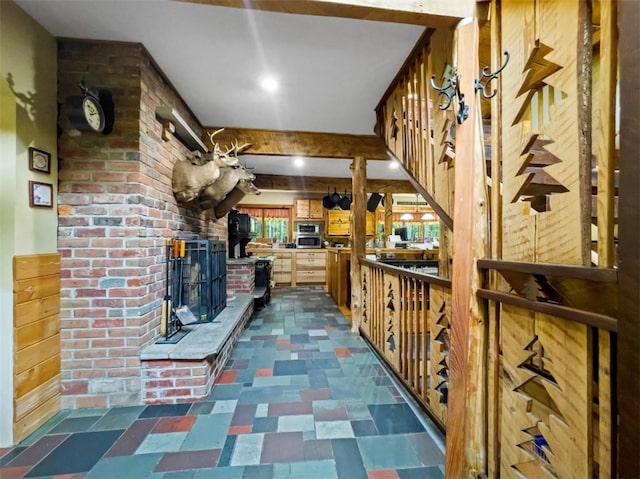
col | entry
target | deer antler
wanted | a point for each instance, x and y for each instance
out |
(211, 135)
(235, 149)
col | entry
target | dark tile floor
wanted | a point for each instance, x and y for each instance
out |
(301, 398)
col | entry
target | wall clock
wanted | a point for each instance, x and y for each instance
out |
(92, 111)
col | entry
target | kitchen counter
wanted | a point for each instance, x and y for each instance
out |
(295, 266)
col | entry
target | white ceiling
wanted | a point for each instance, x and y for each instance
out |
(332, 71)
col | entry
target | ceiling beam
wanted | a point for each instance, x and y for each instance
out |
(322, 185)
(301, 143)
(433, 13)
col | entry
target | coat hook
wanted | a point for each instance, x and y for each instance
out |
(449, 89)
(478, 82)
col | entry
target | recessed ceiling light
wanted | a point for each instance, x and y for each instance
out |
(269, 84)
(393, 165)
(299, 162)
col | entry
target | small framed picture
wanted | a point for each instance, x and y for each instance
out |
(39, 160)
(40, 195)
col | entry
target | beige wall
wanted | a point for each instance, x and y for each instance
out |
(28, 110)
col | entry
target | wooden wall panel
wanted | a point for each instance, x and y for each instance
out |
(443, 167)
(547, 396)
(392, 301)
(542, 207)
(439, 337)
(36, 332)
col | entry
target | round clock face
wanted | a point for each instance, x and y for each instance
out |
(93, 113)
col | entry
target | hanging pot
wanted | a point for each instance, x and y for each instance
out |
(335, 197)
(345, 202)
(327, 202)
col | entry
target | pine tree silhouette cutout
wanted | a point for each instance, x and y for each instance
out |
(538, 68)
(442, 338)
(364, 297)
(448, 140)
(539, 406)
(391, 340)
(538, 185)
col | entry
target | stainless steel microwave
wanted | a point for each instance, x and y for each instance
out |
(308, 228)
(308, 241)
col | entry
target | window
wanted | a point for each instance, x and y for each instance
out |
(418, 230)
(272, 223)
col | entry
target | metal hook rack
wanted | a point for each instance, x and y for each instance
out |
(450, 89)
(486, 77)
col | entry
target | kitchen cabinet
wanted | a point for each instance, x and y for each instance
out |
(295, 267)
(338, 261)
(311, 266)
(339, 223)
(282, 267)
(309, 209)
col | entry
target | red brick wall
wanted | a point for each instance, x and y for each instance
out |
(241, 276)
(116, 209)
(170, 381)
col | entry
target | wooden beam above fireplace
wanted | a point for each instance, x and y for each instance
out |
(301, 143)
(322, 184)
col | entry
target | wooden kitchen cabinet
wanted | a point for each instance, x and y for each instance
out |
(339, 224)
(282, 267)
(309, 209)
(311, 266)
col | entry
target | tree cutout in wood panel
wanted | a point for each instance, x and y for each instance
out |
(448, 140)
(393, 126)
(364, 296)
(391, 309)
(539, 407)
(442, 341)
(539, 68)
(538, 185)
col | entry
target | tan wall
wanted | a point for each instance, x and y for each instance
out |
(27, 118)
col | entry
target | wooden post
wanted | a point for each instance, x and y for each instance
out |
(493, 345)
(606, 133)
(628, 381)
(358, 236)
(466, 415)
(388, 215)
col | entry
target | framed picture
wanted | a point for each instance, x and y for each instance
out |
(40, 195)
(39, 160)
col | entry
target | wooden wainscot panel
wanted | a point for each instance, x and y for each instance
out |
(25, 313)
(34, 398)
(35, 354)
(32, 421)
(32, 378)
(33, 288)
(34, 266)
(36, 333)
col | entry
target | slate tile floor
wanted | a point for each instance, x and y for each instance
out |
(301, 398)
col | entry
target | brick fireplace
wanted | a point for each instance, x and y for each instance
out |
(116, 210)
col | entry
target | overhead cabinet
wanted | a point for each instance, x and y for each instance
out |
(309, 209)
(339, 224)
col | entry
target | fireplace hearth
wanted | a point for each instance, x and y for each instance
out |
(196, 285)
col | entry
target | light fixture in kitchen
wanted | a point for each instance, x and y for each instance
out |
(269, 83)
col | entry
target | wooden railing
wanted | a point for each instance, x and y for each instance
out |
(406, 318)
(549, 386)
(551, 362)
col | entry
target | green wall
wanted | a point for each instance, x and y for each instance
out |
(28, 116)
